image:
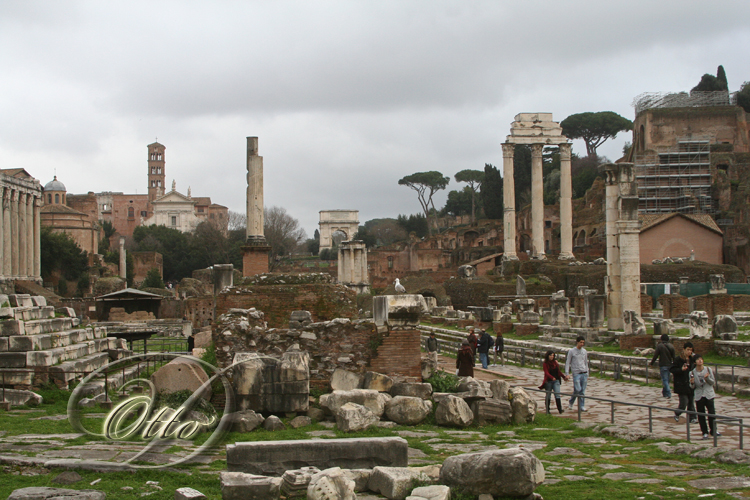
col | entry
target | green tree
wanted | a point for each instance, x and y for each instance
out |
(84, 282)
(415, 223)
(459, 202)
(711, 83)
(743, 97)
(595, 128)
(474, 179)
(386, 231)
(366, 236)
(552, 188)
(61, 255)
(721, 75)
(179, 260)
(492, 192)
(426, 184)
(109, 230)
(153, 279)
(583, 173)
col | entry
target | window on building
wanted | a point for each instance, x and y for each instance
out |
(158, 170)
(144, 213)
(153, 170)
(548, 223)
(174, 220)
(49, 199)
(158, 157)
(200, 210)
(57, 198)
(211, 216)
(390, 262)
(131, 212)
(158, 183)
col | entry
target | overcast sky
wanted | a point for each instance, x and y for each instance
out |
(345, 97)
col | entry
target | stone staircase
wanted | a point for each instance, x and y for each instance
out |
(40, 344)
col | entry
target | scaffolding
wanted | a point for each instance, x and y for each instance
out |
(676, 179)
(649, 100)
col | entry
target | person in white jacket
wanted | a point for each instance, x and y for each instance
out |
(702, 380)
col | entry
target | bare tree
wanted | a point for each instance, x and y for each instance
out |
(282, 232)
(237, 220)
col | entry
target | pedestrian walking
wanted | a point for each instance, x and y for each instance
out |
(432, 347)
(665, 354)
(465, 360)
(552, 378)
(484, 344)
(681, 368)
(702, 381)
(577, 365)
(473, 341)
(499, 349)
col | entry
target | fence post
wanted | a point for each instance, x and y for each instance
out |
(650, 421)
(741, 433)
(612, 413)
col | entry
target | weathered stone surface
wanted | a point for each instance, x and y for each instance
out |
(513, 472)
(331, 484)
(453, 411)
(241, 486)
(664, 326)
(316, 414)
(725, 327)
(423, 390)
(294, 483)
(524, 408)
(300, 421)
(273, 423)
(429, 367)
(500, 389)
(520, 286)
(406, 410)
(434, 492)
(267, 384)
(633, 324)
(398, 310)
(181, 374)
(373, 400)
(188, 494)
(352, 417)
(344, 380)
(245, 421)
(360, 477)
(45, 493)
(67, 477)
(492, 411)
(275, 457)
(699, 325)
(473, 389)
(377, 382)
(734, 457)
(395, 482)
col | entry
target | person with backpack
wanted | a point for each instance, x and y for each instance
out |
(681, 369)
(484, 344)
(665, 354)
(702, 381)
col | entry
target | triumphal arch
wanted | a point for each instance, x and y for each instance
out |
(537, 130)
(331, 221)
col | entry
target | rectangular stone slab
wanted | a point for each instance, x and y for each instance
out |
(272, 458)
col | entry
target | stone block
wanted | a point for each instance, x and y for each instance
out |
(395, 482)
(433, 492)
(294, 482)
(524, 407)
(245, 421)
(268, 384)
(331, 484)
(352, 417)
(67, 311)
(301, 421)
(504, 327)
(472, 389)
(520, 286)
(595, 308)
(344, 380)
(377, 382)
(241, 486)
(699, 325)
(500, 389)
(12, 327)
(416, 390)
(273, 423)
(492, 411)
(13, 360)
(38, 301)
(428, 367)
(20, 300)
(373, 400)
(633, 323)
(188, 494)
(484, 314)
(664, 327)
(405, 410)
(725, 327)
(275, 457)
(398, 310)
(181, 374)
(6, 312)
(47, 493)
(454, 412)
(528, 317)
(523, 329)
(513, 472)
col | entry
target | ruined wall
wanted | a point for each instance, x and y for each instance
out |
(673, 306)
(713, 304)
(676, 237)
(143, 262)
(199, 311)
(332, 344)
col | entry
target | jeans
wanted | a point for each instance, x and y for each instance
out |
(686, 401)
(579, 388)
(484, 358)
(552, 385)
(664, 372)
(704, 404)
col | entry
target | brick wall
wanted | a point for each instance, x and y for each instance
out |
(199, 311)
(254, 260)
(502, 328)
(630, 342)
(324, 301)
(741, 302)
(674, 305)
(399, 354)
(714, 304)
(143, 262)
(527, 329)
(646, 303)
(700, 346)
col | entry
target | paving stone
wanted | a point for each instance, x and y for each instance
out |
(417, 434)
(721, 483)
(617, 476)
(646, 480)
(578, 478)
(589, 440)
(562, 450)
(609, 466)
(322, 433)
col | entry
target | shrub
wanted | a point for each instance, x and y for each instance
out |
(442, 381)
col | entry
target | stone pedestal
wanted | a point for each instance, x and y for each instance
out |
(223, 276)
(397, 310)
(595, 307)
(559, 310)
(718, 284)
(699, 325)
(255, 259)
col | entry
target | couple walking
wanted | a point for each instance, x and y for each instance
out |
(576, 365)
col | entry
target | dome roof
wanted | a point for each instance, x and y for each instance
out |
(54, 185)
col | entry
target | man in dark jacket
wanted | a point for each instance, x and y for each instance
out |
(432, 347)
(665, 354)
(681, 368)
(483, 348)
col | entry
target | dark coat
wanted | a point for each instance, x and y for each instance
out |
(499, 344)
(465, 363)
(682, 377)
(483, 345)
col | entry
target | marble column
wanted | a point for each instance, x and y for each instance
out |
(509, 204)
(29, 236)
(22, 235)
(613, 284)
(37, 240)
(255, 233)
(2, 235)
(566, 207)
(123, 260)
(14, 233)
(7, 234)
(537, 202)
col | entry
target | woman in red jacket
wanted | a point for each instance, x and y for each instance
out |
(552, 378)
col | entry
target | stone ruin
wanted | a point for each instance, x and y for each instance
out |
(699, 325)
(268, 384)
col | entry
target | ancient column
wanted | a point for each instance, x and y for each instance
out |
(566, 207)
(37, 240)
(2, 235)
(537, 202)
(628, 234)
(613, 288)
(509, 204)
(7, 233)
(123, 260)
(14, 233)
(29, 236)
(254, 193)
(22, 235)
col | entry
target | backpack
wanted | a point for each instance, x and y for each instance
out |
(491, 343)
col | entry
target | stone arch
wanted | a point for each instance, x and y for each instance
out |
(331, 221)
(581, 239)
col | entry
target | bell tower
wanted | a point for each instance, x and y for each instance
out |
(156, 173)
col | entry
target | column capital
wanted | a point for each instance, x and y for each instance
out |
(536, 149)
(13, 195)
(37, 202)
(509, 150)
(565, 148)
